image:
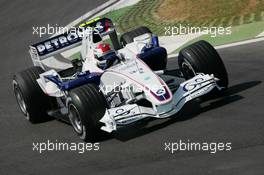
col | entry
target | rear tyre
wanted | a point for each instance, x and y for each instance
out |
(33, 103)
(201, 57)
(128, 37)
(86, 107)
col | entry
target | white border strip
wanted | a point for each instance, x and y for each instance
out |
(229, 45)
(240, 43)
(89, 14)
(260, 35)
(92, 12)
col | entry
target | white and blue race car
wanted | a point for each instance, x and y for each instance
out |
(114, 82)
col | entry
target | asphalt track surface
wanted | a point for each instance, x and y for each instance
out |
(139, 149)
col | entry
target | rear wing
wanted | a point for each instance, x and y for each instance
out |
(68, 40)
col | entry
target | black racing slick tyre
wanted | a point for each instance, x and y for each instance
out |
(33, 102)
(128, 37)
(201, 57)
(86, 107)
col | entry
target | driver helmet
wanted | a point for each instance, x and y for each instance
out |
(103, 52)
(101, 49)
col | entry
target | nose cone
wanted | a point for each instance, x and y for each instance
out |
(141, 76)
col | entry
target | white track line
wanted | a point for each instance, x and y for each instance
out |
(229, 45)
(110, 3)
(261, 34)
(90, 14)
(240, 43)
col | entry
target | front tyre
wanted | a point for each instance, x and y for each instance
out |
(201, 57)
(86, 107)
(128, 37)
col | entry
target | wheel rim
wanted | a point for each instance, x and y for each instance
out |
(20, 100)
(75, 119)
(188, 70)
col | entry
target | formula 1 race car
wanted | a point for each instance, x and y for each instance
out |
(114, 82)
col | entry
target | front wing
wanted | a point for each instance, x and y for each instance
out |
(198, 86)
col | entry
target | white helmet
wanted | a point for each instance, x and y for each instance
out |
(103, 55)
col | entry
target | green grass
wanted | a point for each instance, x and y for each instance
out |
(245, 26)
(195, 11)
(116, 15)
(146, 13)
(75, 56)
(214, 13)
(239, 33)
